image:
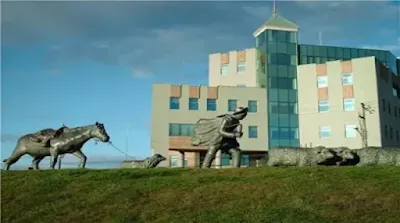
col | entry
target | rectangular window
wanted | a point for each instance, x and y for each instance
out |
(224, 69)
(173, 103)
(389, 109)
(253, 132)
(294, 133)
(245, 160)
(193, 104)
(386, 132)
(395, 111)
(391, 133)
(225, 159)
(323, 106)
(394, 91)
(350, 131)
(324, 132)
(232, 105)
(383, 105)
(252, 106)
(211, 104)
(348, 104)
(322, 81)
(186, 129)
(347, 79)
(397, 135)
(241, 67)
(174, 129)
(173, 160)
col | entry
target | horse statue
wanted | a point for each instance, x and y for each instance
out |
(57, 142)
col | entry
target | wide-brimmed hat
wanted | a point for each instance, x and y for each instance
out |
(241, 110)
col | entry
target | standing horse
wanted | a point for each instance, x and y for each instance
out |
(70, 140)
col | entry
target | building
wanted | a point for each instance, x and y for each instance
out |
(177, 108)
(302, 107)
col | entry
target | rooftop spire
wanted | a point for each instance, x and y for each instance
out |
(274, 8)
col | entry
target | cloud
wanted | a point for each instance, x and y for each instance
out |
(5, 137)
(128, 34)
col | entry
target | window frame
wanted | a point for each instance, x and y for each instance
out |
(171, 103)
(322, 79)
(240, 66)
(209, 104)
(224, 70)
(229, 105)
(344, 104)
(319, 106)
(252, 129)
(191, 103)
(347, 78)
(321, 130)
(249, 105)
(350, 126)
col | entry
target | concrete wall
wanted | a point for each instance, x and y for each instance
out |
(162, 115)
(233, 78)
(364, 90)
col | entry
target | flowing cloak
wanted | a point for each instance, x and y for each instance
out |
(206, 131)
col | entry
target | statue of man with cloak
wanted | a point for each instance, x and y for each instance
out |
(220, 133)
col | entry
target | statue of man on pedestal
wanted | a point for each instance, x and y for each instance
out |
(220, 133)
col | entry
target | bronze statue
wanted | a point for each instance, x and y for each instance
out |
(220, 133)
(56, 142)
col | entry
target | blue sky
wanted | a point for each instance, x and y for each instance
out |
(81, 62)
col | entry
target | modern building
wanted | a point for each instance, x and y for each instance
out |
(177, 108)
(312, 94)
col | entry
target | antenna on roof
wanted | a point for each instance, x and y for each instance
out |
(320, 38)
(274, 8)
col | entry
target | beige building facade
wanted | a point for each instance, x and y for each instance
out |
(234, 68)
(330, 97)
(176, 108)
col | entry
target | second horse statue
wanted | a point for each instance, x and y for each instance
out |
(50, 142)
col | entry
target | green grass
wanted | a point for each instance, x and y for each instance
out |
(311, 194)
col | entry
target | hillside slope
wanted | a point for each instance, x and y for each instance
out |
(321, 194)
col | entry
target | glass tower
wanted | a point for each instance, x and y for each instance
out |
(276, 43)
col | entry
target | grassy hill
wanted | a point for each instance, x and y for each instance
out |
(323, 194)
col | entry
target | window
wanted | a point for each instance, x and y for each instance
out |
(241, 85)
(241, 67)
(397, 135)
(211, 104)
(252, 106)
(389, 110)
(323, 106)
(225, 159)
(383, 105)
(348, 104)
(386, 132)
(324, 132)
(391, 133)
(395, 111)
(245, 160)
(176, 129)
(173, 160)
(347, 78)
(232, 105)
(253, 132)
(224, 69)
(193, 104)
(394, 90)
(322, 81)
(173, 103)
(350, 131)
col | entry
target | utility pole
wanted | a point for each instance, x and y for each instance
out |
(362, 130)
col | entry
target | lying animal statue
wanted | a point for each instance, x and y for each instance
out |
(372, 156)
(298, 157)
(150, 162)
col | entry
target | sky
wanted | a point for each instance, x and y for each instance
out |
(79, 62)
